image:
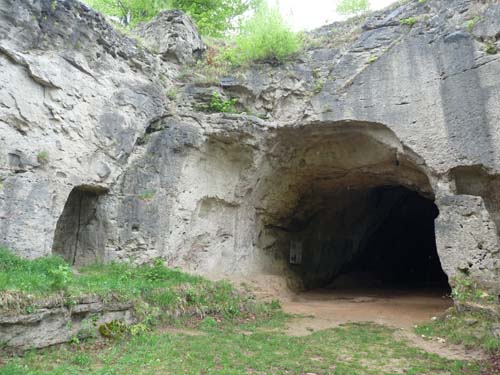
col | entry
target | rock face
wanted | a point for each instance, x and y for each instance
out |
(52, 325)
(174, 36)
(97, 162)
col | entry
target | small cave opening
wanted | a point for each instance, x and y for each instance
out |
(80, 234)
(379, 238)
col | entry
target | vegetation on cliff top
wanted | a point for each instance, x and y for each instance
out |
(213, 17)
(264, 36)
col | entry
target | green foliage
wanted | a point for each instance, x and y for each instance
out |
(171, 93)
(215, 17)
(318, 85)
(154, 289)
(130, 12)
(257, 348)
(42, 157)
(410, 21)
(353, 7)
(372, 59)
(218, 104)
(264, 37)
(82, 359)
(39, 276)
(490, 48)
(469, 25)
(60, 277)
(147, 195)
(467, 290)
(471, 329)
(113, 329)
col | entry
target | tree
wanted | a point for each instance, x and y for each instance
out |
(353, 7)
(213, 17)
(129, 12)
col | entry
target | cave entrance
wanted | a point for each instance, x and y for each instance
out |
(344, 209)
(80, 232)
(380, 237)
(367, 254)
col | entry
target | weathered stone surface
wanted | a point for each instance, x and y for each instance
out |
(367, 104)
(56, 325)
(174, 36)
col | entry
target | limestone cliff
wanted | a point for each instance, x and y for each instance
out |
(100, 161)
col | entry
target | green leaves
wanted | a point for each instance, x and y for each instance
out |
(218, 104)
(213, 17)
(353, 7)
(265, 36)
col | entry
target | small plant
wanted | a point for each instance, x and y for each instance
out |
(147, 195)
(490, 48)
(467, 290)
(409, 21)
(61, 276)
(469, 25)
(113, 329)
(138, 329)
(318, 86)
(171, 93)
(372, 59)
(42, 157)
(218, 104)
(82, 359)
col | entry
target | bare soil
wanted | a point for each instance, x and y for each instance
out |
(401, 309)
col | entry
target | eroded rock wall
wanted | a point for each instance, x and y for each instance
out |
(368, 103)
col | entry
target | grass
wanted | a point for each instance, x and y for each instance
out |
(471, 329)
(354, 349)
(220, 331)
(26, 283)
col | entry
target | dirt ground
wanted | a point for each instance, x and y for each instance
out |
(401, 309)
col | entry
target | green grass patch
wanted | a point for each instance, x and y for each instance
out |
(366, 349)
(24, 284)
(471, 329)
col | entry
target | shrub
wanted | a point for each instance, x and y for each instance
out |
(218, 104)
(352, 7)
(410, 21)
(264, 37)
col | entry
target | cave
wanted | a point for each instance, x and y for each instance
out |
(80, 233)
(380, 237)
(347, 206)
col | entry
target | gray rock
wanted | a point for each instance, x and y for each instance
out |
(174, 36)
(370, 103)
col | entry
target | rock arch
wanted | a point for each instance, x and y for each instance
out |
(327, 195)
